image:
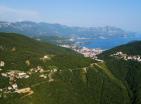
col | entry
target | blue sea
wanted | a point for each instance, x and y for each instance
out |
(109, 43)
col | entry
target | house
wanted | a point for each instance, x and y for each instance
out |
(27, 62)
(4, 74)
(24, 90)
(99, 60)
(43, 76)
(129, 58)
(54, 70)
(22, 75)
(2, 63)
(46, 57)
(13, 49)
(84, 70)
(0, 69)
(9, 88)
(15, 86)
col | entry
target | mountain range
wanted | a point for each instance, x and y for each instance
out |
(45, 29)
(92, 37)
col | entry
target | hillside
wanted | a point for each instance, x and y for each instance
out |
(17, 47)
(124, 62)
(41, 73)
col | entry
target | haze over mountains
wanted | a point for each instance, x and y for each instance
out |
(42, 28)
(86, 36)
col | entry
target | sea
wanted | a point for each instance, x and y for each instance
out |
(110, 42)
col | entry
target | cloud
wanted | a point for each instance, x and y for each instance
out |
(11, 14)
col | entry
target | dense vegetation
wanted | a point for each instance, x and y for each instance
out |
(78, 80)
(16, 49)
(127, 71)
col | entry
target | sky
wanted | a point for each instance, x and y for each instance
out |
(125, 14)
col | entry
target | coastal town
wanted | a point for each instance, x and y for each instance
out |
(87, 52)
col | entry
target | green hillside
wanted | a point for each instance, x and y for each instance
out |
(128, 71)
(34, 72)
(32, 50)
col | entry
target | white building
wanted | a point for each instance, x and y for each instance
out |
(2, 63)
(43, 76)
(15, 86)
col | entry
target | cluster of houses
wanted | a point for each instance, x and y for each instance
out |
(14, 75)
(49, 75)
(126, 57)
(43, 74)
(87, 52)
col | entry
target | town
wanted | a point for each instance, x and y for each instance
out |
(87, 52)
(126, 57)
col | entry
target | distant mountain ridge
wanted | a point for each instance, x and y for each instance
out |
(45, 29)
(92, 37)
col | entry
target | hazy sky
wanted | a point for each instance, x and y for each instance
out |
(125, 14)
